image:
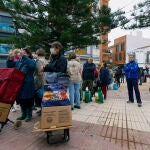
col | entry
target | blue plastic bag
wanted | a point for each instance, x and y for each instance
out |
(115, 86)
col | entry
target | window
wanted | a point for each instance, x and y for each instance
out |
(5, 19)
(116, 57)
(6, 27)
(117, 48)
(120, 56)
(122, 46)
(6, 24)
(4, 48)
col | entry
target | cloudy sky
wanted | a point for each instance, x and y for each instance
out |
(125, 5)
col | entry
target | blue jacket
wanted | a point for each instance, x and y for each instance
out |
(27, 66)
(104, 76)
(131, 70)
(88, 71)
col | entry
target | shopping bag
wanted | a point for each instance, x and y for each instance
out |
(11, 80)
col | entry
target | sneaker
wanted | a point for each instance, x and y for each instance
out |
(129, 102)
(78, 107)
(27, 119)
(13, 109)
(34, 108)
(39, 112)
(139, 104)
(21, 118)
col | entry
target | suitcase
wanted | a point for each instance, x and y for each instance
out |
(11, 80)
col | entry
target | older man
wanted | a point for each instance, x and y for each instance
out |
(131, 71)
(88, 75)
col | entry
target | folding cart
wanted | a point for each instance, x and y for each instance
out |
(11, 80)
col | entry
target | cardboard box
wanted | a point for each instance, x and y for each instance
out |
(53, 117)
(4, 111)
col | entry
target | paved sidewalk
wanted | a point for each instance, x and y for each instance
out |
(114, 125)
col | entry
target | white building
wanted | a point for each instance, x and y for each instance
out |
(125, 45)
(142, 56)
(134, 42)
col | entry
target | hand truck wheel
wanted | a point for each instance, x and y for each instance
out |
(17, 124)
(49, 134)
(66, 135)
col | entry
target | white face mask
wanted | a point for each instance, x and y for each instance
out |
(52, 50)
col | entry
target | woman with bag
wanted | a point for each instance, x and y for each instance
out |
(26, 95)
(74, 70)
(39, 77)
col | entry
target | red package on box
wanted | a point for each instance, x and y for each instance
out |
(11, 80)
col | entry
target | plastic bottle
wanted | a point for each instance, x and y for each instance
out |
(96, 97)
(100, 96)
(87, 96)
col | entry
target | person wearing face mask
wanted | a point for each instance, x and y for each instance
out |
(131, 71)
(25, 97)
(58, 63)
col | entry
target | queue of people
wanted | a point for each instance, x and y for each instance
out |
(82, 77)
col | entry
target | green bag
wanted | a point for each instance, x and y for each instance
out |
(100, 96)
(87, 96)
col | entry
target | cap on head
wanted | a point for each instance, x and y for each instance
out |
(57, 45)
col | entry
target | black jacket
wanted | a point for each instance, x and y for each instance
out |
(58, 63)
(88, 71)
(104, 76)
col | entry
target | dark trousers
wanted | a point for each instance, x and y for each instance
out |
(133, 83)
(89, 84)
(26, 107)
(122, 79)
(118, 80)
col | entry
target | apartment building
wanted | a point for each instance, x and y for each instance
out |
(126, 44)
(6, 30)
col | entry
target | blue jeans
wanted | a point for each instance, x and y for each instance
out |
(74, 93)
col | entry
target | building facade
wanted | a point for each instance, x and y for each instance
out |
(6, 30)
(125, 45)
(142, 56)
(119, 50)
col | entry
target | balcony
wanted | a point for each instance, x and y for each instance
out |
(6, 28)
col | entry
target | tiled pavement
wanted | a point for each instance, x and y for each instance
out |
(113, 125)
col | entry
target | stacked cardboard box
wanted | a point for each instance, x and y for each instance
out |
(58, 113)
(4, 111)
